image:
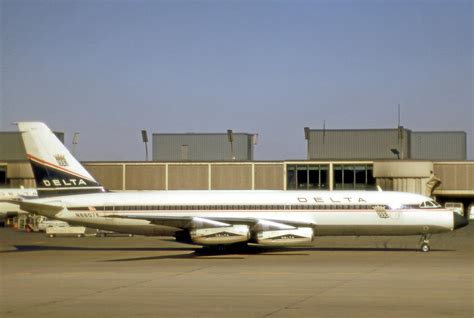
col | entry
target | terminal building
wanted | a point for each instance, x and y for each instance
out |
(383, 144)
(429, 163)
(204, 147)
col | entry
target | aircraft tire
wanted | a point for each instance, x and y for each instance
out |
(425, 247)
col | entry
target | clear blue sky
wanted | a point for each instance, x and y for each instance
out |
(108, 69)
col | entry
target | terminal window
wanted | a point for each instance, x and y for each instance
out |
(353, 177)
(307, 177)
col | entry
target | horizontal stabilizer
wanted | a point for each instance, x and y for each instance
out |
(48, 210)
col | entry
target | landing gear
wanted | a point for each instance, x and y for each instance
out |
(425, 246)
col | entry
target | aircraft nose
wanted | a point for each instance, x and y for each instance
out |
(459, 221)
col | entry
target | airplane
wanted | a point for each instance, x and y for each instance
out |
(8, 210)
(221, 218)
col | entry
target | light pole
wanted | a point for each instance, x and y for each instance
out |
(230, 136)
(306, 136)
(395, 152)
(75, 141)
(145, 141)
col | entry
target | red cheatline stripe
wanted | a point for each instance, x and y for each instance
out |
(57, 167)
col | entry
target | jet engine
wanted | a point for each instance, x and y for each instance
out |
(220, 235)
(299, 235)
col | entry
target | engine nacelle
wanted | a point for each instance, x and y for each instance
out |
(220, 235)
(299, 235)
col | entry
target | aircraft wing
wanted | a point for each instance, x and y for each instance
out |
(194, 222)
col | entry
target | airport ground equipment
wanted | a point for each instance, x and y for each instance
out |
(78, 231)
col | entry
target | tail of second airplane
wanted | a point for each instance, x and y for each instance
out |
(56, 170)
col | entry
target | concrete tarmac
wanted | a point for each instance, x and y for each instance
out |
(148, 277)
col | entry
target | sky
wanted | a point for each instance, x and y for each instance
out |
(108, 69)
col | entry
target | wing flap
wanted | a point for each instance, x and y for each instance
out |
(171, 221)
(196, 222)
(183, 222)
(266, 225)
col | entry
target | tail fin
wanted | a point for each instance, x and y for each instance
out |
(56, 171)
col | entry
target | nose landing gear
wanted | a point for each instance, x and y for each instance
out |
(425, 246)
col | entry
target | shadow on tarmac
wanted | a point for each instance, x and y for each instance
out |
(237, 252)
(242, 252)
(35, 248)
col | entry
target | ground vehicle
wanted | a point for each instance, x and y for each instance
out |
(455, 206)
(45, 223)
(78, 231)
(470, 211)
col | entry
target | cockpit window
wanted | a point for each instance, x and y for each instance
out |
(426, 204)
(436, 204)
(429, 205)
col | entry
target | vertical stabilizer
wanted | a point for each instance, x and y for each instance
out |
(56, 171)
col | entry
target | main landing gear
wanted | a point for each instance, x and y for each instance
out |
(425, 246)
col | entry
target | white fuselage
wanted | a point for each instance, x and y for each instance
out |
(332, 213)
